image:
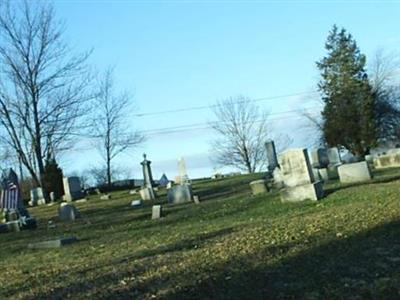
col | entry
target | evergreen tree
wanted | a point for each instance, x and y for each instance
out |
(348, 114)
(53, 178)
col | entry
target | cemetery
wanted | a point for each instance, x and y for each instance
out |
(239, 237)
(226, 202)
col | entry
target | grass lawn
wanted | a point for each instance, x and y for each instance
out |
(231, 246)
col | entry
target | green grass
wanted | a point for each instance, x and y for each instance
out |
(231, 246)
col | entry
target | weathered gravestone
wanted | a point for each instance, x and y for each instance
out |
(37, 197)
(258, 187)
(156, 212)
(389, 160)
(180, 194)
(147, 191)
(271, 155)
(136, 203)
(355, 172)
(183, 191)
(196, 199)
(319, 158)
(333, 156)
(68, 212)
(53, 243)
(298, 177)
(72, 188)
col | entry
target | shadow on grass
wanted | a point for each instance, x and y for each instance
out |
(100, 284)
(365, 265)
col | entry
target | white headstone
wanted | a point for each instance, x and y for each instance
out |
(156, 212)
(183, 177)
(356, 172)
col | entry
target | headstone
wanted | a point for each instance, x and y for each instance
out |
(196, 199)
(180, 194)
(105, 197)
(333, 156)
(319, 158)
(136, 203)
(147, 191)
(147, 194)
(298, 177)
(52, 196)
(10, 195)
(72, 188)
(13, 226)
(37, 197)
(133, 192)
(169, 185)
(390, 160)
(68, 212)
(53, 243)
(278, 179)
(356, 172)
(156, 212)
(271, 155)
(323, 174)
(259, 187)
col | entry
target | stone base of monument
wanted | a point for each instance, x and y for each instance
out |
(259, 187)
(180, 194)
(311, 191)
(355, 172)
(147, 194)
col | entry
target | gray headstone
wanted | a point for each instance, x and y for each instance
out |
(147, 193)
(180, 194)
(319, 158)
(333, 156)
(271, 155)
(37, 197)
(53, 243)
(156, 212)
(298, 177)
(68, 212)
(72, 188)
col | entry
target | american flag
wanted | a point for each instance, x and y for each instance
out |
(10, 197)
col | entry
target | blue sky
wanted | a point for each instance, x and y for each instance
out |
(178, 54)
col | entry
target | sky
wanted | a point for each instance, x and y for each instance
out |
(173, 55)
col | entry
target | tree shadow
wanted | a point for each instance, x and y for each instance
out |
(363, 266)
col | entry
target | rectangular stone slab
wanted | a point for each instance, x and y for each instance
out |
(312, 191)
(53, 243)
(356, 172)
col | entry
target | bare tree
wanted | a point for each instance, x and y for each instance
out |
(42, 84)
(242, 131)
(112, 131)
